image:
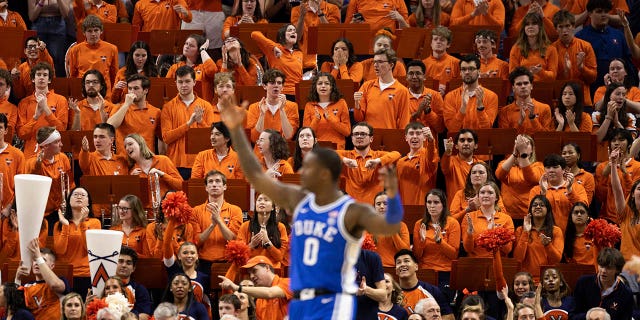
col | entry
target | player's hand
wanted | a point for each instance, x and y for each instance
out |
(389, 176)
(230, 113)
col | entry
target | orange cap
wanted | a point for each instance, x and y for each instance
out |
(257, 260)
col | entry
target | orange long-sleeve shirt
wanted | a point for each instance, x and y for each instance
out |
(89, 117)
(175, 115)
(443, 69)
(608, 210)
(580, 6)
(633, 94)
(354, 72)
(171, 180)
(231, 21)
(587, 181)
(143, 121)
(244, 75)
(11, 111)
(10, 240)
(102, 56)
(516, 183)
(434, 119)
(454, 120)
(386, 109)
(459, 204)
(417, 174)
(276, 308)
(433, 255)
(369, 73)
(530, 251)
(208, 160)
(52, 170)
(27, 127)
(22, 85)
(548, 9)
(282, 167)
(14, 163)
(583, 252)
(276, 255)
(509, 117)
(334, 127)
(455, 171)
(272, 120)
(630, 244)
(159, 15)
(445, 20)
(94, 164)
(205, 74)
(586, 124)
(362, 183)
(480, 224)
(13, 20)
(136, 240)
(549, 62)
(561, 201)
(182, 233)
(376, 13)
(461, 14)
(106, 12)
(42, 301)
(311, 19)
(589, 71)
(212, 249)
(289, 62)
(494, 64)
(387, 246)
(70, 244)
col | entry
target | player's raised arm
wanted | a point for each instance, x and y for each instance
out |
(285, 195)
(361, 216)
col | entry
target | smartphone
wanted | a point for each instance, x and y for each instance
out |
(358, 16)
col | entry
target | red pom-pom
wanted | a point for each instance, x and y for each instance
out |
(602, 233)
(237, 252)
(176, 206)
(493, 239)
(368, 243)
(94, 306)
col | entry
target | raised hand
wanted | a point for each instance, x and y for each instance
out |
(230, 113)
(423, 232)
(85, 144)
(469, 224)
(389, 176)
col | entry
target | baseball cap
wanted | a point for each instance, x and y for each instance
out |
(257, 260)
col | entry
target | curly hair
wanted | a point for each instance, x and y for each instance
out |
(335, 94)
(277, 145)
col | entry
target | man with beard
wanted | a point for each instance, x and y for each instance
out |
(525, 114)
(220, 157)
(470, 106)
(490, 65)
(93, 53)
(577, 60)
(35, 51)
(456, 168)
(417, 170)
(102, 162)
(136, 115)
(361, 164)
(94, 109)
(272, 292)
(383, 102)
(423, 100)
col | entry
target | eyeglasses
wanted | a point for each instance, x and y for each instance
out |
(124, 208)
(379, 61)
(537, 205)
(360, 134)
(579, 212)
(79, 195)
(32, 46)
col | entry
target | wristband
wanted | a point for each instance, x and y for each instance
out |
(240, 288)
(40, 260)
(395, 212)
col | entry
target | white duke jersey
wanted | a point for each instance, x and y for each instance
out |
(323, 253)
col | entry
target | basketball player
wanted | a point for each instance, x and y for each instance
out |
(328, 225)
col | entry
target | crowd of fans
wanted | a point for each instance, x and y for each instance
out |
(548, 203)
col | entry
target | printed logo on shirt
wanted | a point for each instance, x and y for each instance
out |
(38, 301)
(335, 112)
(447, 70)
(614, 306)
(8, 161)
(418, 166)
(391, 96)
(385, 5)
(106, 13)
(137, 238)
(53, 108)
(615, 41)
(103, 58)
(230, 168)
(166, 6)
(152, 120)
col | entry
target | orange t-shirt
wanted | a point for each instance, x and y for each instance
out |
(354, 72)
(459, 204)
(363, 183)
(480, 224)
(175, 115)
(14, 163)
(205, 73)
(530, 251)
(10, 243)
(386, 108)
(369, 73)
(580, 6)
(561, 202)
(106, 12)
(311, 19)
(42, 301)
(633, 94)
(417, 174)
(587, 74)
(516, 184)
(70, 244)
(454, 120)
(11, 111)
(387, 246)
(159, 15)
(212, 249)
(333, 124)
(52, 169)
(443, 69)
(434, 119)
(143, 121)
(27, 127)
(461, 14)
(276, 255)
(272, 120)
(608, 210)
(276, 308)
(208, 160)
(181, 233)
(549, 62)
(445, 20)
(509, 117)
(586, 124)
(584, 252)
(89, 118)
(433, 255)
(587, 181)
(289, 62)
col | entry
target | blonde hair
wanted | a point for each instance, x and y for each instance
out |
(145, 152)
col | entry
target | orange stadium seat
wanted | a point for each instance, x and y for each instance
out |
(476, 274)
(61, 269)
(243, 33)
(321, 37)
(571, 271)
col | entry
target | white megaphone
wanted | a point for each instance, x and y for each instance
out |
(32, 194)
(103, 250)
